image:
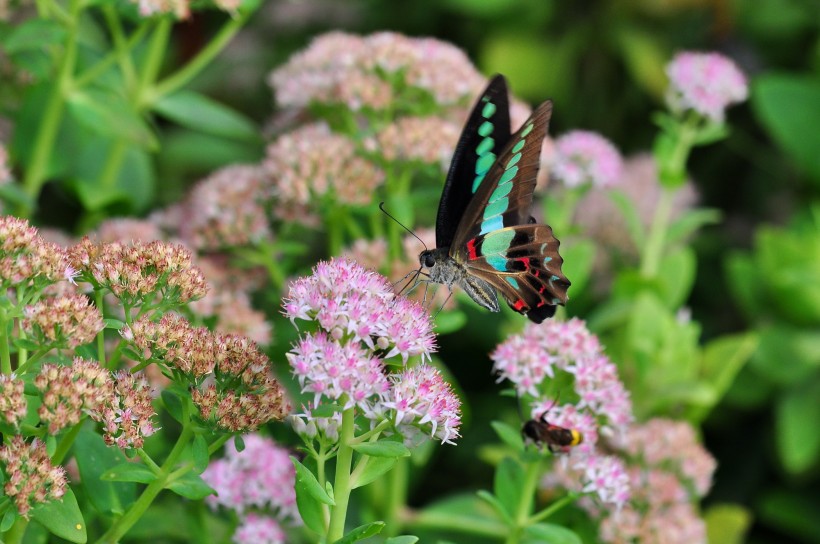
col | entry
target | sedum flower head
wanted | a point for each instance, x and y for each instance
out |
(582, 157)
(430, 140)
(706, 83)
(31, 479)
(260, 477)
(26, 260)
(231, 379)
(12, 399)
(362, 325)
(370, 71)
(139, 273)
(226, 209)
(181, 9)
(567, 351)
(258, 529)
(70, 392)
(420, 397)
(69, 321)
(127, 418)
(312, 161)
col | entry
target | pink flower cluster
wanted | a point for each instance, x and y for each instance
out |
(260, 477)
(357, 71)
(68, 320)
(706, 83)
(27, 261)
(583, 157)
(535, 357)
(32, 479)
(362, 326)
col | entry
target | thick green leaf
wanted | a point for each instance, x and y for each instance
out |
(93, 459)
(239, 443)
(310, 508)
(548, 533)
(33, 34)
(727, 523)
(115, 324)
(450, 321)
(9, 517)
(797, 421)
(173, 397)
(129, 472)
(497, 506)
(692, 220)
(787, 106)
(787, 355)
(306, 481)
(645, 54)
(191, 486)
(677, 274)
(403, 539)
(199, 453)
(109, 115)
(25, 343)
(376, 466)
(508, 435)
(509, 485)
(198, 112)
(62, 518)
(578, 260)
(743, 278)
(382, 448)
(629, 212)
(723, 358)
(362, 532)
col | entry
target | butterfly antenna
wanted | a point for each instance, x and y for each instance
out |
(385, 212)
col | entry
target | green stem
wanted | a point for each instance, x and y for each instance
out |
(52, 115)
(65, 443)
(396, 496)
(470, 525)
(553, 508)
(157, 46)
(121, 526)
(653, 250)
(98, 300)
(341, 485)
(190, 70)
(122, 47)
(5, 352)
(120, 55)
(113, 164)
(528, 488)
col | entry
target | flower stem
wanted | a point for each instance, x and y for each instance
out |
(553, 508)
(35, 175)
(653, 250)
(341, 485)
(5, 353)
(65, 443)
(136, 511)
(98, 300)
(396, 496)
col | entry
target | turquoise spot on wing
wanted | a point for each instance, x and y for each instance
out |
(498, 262)
(512, 281)
(547, 259)
(501, 191)
(477, 181)
(485, 146)
(513, 161)
(496, 208)
(485, 129)
(497, 243)
(488, 111)
(527, 130)
(519, 146)
(491, 224)
(484, 163)
(508, 175)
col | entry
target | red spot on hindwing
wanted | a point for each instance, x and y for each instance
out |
(471, 249)
(519, 304)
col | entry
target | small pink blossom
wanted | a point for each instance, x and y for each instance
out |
(420, 396)
(582, 156)
(257, 529)
(259, 477)
(707, 83)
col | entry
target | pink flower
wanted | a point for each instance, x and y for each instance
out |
(706, 83)
(256, 529)
(330, 370)
(605, 475)
(585, 157)
(260, 477)
(355, 304)
(419, 396)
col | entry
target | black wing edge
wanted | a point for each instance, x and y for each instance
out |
(457, 191)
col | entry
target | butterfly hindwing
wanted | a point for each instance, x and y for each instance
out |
(505, 195)
(485, 134)
(521, 262)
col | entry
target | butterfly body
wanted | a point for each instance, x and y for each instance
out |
(486, 239)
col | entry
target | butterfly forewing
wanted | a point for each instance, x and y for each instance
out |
(505, 195)
(485, 134)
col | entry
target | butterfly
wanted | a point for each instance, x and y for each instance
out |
(486, 239)
(557, 439)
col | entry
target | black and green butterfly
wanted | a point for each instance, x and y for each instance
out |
(486, 239)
